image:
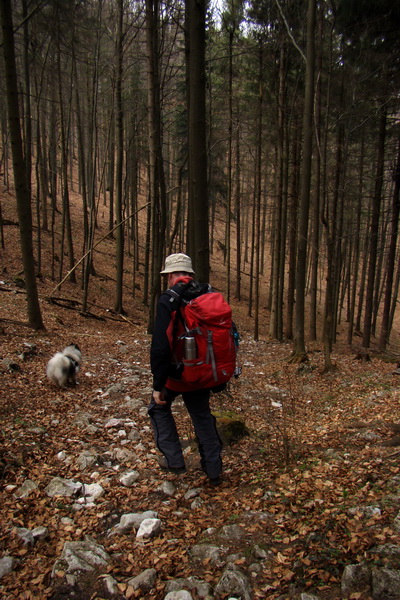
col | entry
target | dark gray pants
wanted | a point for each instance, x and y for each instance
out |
(166, 434)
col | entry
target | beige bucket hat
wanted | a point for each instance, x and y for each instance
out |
(174, 263)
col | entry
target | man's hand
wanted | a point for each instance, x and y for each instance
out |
(158, 398)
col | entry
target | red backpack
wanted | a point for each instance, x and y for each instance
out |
(206, 323)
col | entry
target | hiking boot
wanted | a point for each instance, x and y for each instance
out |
(216, 481)
(176, 470)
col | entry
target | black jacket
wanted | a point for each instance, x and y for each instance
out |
(161, 358)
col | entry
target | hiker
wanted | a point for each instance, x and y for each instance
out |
(169, 383)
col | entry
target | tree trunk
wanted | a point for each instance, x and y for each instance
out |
(293, 198)
(119, 237)
(317, 188)
(355, 263)
(373, 242)
(238, 214)
(300, 348)
(156, 168)
(391, 257)
(19, 166)
(276, 325)
(198, 184)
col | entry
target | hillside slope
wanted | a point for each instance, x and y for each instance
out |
(313, 488)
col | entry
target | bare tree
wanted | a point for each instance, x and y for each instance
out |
(19, 166)
(299, 347)
(198, 185)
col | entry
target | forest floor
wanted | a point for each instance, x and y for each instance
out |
(321, 449)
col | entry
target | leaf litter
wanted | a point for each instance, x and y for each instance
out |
(302, 486)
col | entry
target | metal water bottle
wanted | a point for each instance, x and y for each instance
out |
(190, 348)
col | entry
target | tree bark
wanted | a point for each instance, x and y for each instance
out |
(119, 241)
(198, 184)
(300, 348)
(385, 329)
(19, 166)
(373, 242)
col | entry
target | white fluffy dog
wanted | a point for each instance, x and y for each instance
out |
(63, 367)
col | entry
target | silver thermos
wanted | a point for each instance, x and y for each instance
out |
(190, 348)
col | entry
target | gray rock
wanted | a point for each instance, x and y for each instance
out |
(308, 597)
(114, 423)
(396, 522)
(131, 521)
(179, 595)
(260, 552)
(83, 420)
(255, 568)
(149, 528)
(202, 588)
(167, 488)
(116, 388)
(234, 582)
(90, 493)
(40, 533)
(63, 487)
(385, 584)
(134, 435)
(132, 404)
(258, 516)
(232, 532)
(93, 490)
(26, 489)
(7, 564)
(81, 556)
(86, 459)
(275, 393)
(355, 578)
(122, 455)
(192, 493)
(387, 550)
(365, 511)
(197, 503)
(110, 585)
(206, 551)
(25, 535)
(144, 581)
(129, 478)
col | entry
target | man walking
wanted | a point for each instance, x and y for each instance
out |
(166, 375)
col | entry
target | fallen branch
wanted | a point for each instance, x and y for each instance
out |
(394, 454)
(59, 284)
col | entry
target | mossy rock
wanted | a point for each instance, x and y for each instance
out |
(231, 427)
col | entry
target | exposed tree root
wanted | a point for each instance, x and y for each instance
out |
(298, 358)
(331, 368)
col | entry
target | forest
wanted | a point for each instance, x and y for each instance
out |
(262, 138)
(262, 134)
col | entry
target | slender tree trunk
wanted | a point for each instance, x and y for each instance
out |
(385, 330)
(293, 197)
(19, 166)
(373, 244)
(157, 175)
(119, 247)
(65, 134)
(317, 188)
(300, 348)
(230, 175)
(277, 258)
(91, 162)
(356, 251)
(258, 187)
(198, 184)
(238, 213)
(27, 94)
